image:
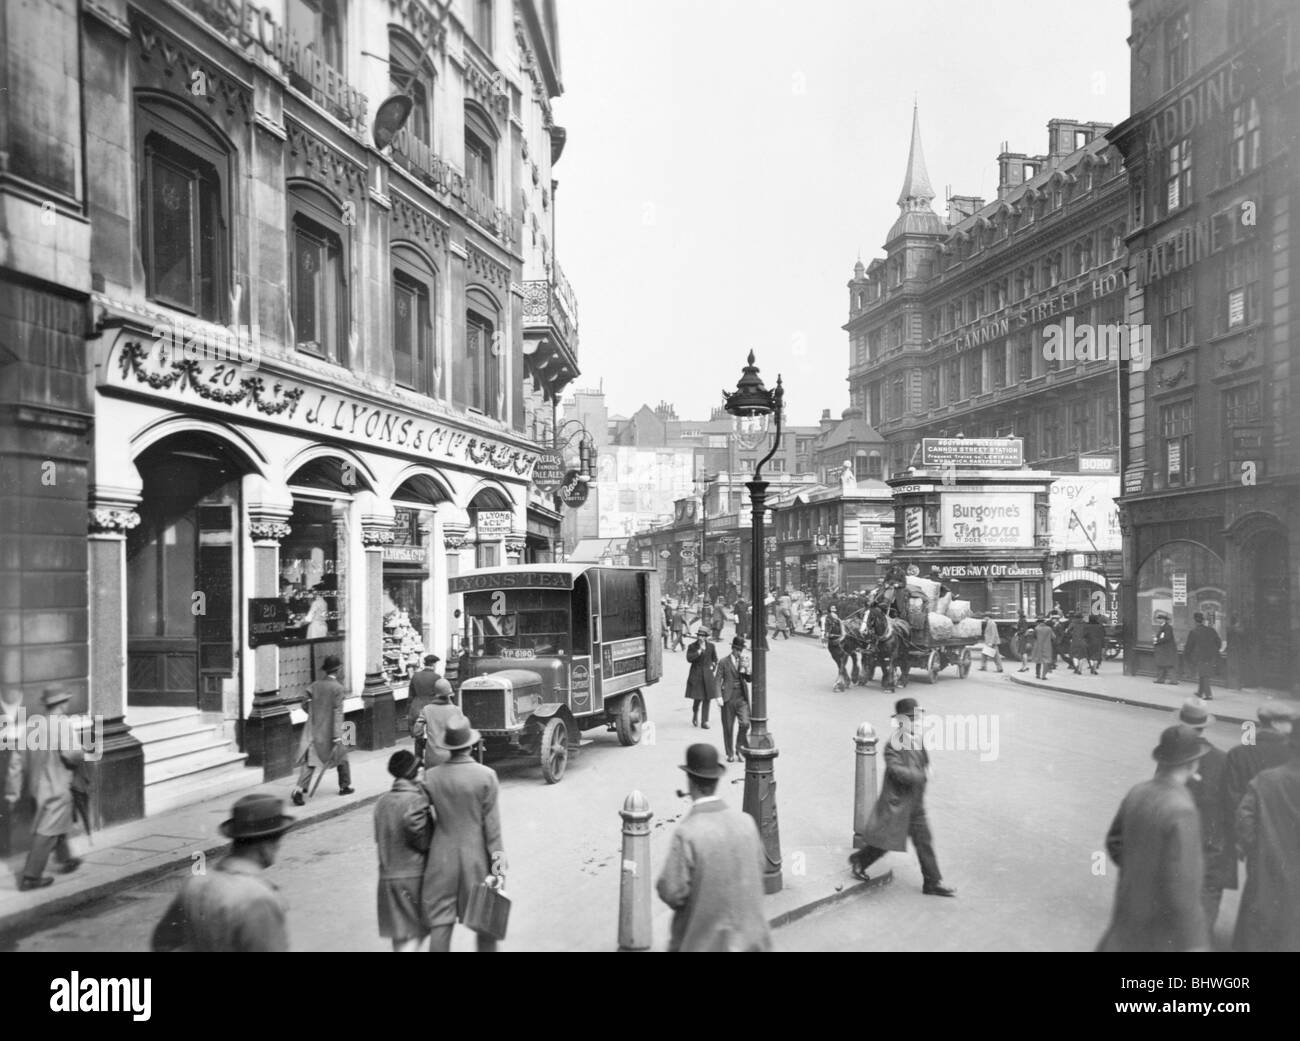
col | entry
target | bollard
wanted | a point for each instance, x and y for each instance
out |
(634, 928)
(864, 782)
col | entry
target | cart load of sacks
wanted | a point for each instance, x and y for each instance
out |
(944, 617)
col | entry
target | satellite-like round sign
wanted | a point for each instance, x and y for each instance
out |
(573, 492)
(705, 568)
(664, 554)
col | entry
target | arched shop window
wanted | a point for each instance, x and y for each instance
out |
(408, 594)
(1180, 578)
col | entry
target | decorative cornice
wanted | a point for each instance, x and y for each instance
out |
(515, 547)
(428, 28)
(111, 520)
(375, 536)
(314, 159)
(486, 269)
(451, 540)
(411, 222)
(268, 530)
(170, 65)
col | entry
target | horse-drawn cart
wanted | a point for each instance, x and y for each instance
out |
(932, 656)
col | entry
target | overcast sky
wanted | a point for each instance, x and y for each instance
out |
(727, 159)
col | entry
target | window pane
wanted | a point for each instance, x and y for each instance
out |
(404, 308)
(210, 230)
(307, 263)
(331, 302)
(178, 577)
(142, 586)
(171, 211)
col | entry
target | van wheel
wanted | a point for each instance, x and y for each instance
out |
(554, 750)
(630, 718)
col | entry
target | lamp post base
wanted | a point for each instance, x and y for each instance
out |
(760, 803)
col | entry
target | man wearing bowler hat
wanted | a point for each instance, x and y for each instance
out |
(234, 906)
(1206, 786)
(466, 846)
(49, 773)
(1201, 652)
(701, 681)
(322, 738)
(713, 876)
(427, 685)
(1155, 840)
(733, 690)
(899, 813)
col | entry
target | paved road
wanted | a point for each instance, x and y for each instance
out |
(1019, 813)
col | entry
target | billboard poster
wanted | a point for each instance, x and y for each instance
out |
(1084, 517)
(1004, 520)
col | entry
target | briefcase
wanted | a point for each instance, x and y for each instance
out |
(489, 908)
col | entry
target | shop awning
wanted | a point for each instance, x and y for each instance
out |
(1078, 574)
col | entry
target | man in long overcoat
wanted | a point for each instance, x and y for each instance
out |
(1268, 834)
(713, 875)
(1094, 642)
(1201, 652)
(899, 813)
(1206, 786)
(1166, 650)
(1269, 748)
(426, 685)
(701, 682)
(1155, 840)
(403, 827)
(717, 619)
(466, 845)
(732, 689)
(431, 726)
(49, 773)
(1044, 652)
(742, 617)
(322, 738)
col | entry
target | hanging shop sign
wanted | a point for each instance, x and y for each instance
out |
(573, 492)
(171, 370)
(548, 472)
(1004, 521)
(981, 452)
(493, 524)
(268, 619)
(1180, 587)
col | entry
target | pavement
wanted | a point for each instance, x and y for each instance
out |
(571, 831)
(1231, 706)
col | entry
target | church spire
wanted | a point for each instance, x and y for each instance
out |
(916, 193)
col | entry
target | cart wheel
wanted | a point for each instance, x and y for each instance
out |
(1112, 652)
(963, 663)
(554, 750)
(933, 663)
(631, 714)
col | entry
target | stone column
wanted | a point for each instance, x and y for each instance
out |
(117, 771)
(453, 542)
(268, 729)
(378, 716)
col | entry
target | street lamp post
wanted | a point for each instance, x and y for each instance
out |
(753, 405)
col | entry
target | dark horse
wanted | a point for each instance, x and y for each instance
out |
(888, 645)
(845, 650)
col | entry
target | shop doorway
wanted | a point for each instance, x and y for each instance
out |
(181, 563)
(1268, 626)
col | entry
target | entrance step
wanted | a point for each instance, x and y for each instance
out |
(187, 758)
